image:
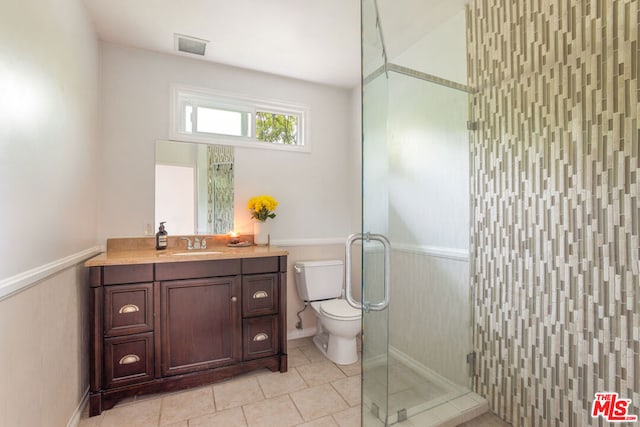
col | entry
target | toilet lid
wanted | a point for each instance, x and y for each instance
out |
(339, 308)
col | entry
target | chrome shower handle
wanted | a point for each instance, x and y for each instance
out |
(379, 306)
(347, 271)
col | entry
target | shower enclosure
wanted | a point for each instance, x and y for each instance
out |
(548, 140)
(417, 350)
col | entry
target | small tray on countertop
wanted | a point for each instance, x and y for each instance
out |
(240, 244)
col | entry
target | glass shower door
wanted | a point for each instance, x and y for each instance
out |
(375, 324)
(415, 193)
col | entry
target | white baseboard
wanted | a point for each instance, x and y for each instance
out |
(77, 414)
(301, 333)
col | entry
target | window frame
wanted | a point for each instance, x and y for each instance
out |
(182, 95)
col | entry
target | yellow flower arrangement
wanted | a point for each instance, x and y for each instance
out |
(262, 207)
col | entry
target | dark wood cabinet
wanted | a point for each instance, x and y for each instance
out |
(173, 325)
(200, 323)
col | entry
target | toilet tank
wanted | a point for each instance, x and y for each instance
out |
(318, 280)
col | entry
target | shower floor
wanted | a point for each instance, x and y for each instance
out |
(415, 393)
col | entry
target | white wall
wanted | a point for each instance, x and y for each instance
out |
(428, 164)
(356, 159)
(44, 362)
(48, 101)
(314, 190)
(48, 156)
(442, 52)
(428, 142)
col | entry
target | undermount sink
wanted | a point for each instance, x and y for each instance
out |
(196, 252)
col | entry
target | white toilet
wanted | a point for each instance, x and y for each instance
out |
(321, 284)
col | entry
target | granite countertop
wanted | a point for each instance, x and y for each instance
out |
(128, 251)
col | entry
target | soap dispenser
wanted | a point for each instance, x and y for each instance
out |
(162, 237)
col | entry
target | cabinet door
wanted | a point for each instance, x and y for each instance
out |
(200, 323)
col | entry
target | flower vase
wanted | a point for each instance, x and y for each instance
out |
(261, 233)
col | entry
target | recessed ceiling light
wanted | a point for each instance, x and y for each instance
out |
(188, 44)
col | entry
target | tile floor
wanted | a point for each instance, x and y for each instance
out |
(486, 420)
(314, 392)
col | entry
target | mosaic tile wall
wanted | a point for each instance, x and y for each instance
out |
(220, 189)
(555, 205)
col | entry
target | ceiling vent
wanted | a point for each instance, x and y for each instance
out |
(191, 45)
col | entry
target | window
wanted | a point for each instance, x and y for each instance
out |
(221, 122)
(276, 128)
(207, 116)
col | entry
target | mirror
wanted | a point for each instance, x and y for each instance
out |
(194, 187)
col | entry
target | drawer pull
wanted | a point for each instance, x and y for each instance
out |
(261, 337)
(260, 294)
(129, 359)
(129, 308)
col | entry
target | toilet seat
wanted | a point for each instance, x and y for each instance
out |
(339, 309)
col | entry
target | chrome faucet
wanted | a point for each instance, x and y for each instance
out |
(189, 243)
(203, 243)
(196, 244)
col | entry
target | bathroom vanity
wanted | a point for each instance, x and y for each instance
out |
(168, 320)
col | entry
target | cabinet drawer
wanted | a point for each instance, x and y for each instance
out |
(197, 269)
(116, 274)
(260, 336)
(128, 309)
(259, 294)
(128, 360)
(260, 265)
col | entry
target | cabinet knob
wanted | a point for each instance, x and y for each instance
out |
(129, 308)
(260, 294)
(234, 299)
(261, 337)
(129, 359)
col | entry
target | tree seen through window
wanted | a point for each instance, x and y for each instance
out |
(278, 128)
